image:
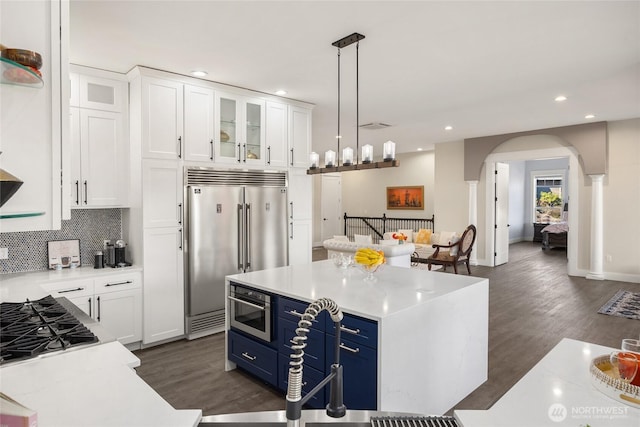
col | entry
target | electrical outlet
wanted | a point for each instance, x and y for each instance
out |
(4, 253)
(609, 258)
(105, 242)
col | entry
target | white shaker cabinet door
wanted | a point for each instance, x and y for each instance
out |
(300, 242)
(198, 124)
(300, 195)
(163, 302)
(276, 134)
(162, 107)
(121, 314)
(162, 193)
(299, 137)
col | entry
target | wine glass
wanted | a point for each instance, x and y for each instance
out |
(626, 364)
(631, 345)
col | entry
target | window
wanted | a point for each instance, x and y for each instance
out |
(548, 199)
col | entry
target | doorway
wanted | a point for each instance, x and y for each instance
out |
(490, 206)
(331, 206)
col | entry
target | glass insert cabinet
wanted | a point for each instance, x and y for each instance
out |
(240, 129)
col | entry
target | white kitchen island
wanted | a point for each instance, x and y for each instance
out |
(432, 327)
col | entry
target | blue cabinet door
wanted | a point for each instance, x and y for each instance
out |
(254, 357)
(292, 310)
(359, 370)
(310, 378)
(313, 352)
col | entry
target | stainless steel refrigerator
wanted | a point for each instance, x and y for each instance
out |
(236, 222)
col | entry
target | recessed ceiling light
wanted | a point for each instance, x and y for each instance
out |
(560, 98)
(199, 73)
(448, 128)
(589, 116)
(281, 92)
(419, 149)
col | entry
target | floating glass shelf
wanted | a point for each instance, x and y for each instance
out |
(12, 73)
(20, 215)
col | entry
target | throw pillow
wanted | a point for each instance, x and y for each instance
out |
(363, 239)
(341, 238)
(423, 236)
(408, 233)
(454, 250)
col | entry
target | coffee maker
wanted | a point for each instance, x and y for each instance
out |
(120, 259)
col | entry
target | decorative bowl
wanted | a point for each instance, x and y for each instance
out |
(607, 381)
(24, 57)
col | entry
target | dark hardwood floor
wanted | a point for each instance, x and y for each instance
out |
(533, 304)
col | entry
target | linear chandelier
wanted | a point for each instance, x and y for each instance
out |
(332, 158)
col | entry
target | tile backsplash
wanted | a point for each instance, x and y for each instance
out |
(28, 250)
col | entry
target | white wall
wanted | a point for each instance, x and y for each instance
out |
(451, 197)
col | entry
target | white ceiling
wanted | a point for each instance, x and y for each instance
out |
(481, 67)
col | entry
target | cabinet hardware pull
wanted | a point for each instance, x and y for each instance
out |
(238, 152)
(71, 290)
(211, 156)
(99, 308)
(180, 213)
(241, 301)
(295, 313)
(77, 192)
(292, 157)
(180, 244)
(89, 306)
(291, 226)
(291, 215)
(85, 191)
(179, 147)
(248, 356)
(126, 282)
(352, 350)
(244, 147)
(269, 155)
(350, 331)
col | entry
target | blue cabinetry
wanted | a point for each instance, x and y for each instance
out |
(254, 357)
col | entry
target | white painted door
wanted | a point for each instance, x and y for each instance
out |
(162, 106)
(332, 220)
(501, 245)
(299, 137)
(276, 134)
(198, 123)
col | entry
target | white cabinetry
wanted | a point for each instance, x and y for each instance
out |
(98, 148)
(114, 300)
(300, 217)
(162, 109)
(240, 130)
(299, 136)
(198, 124)
(276, 134)
(162, 193)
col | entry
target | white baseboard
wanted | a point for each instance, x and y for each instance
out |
(608, 275)
(517, 240)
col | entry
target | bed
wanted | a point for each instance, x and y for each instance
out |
(555, 235)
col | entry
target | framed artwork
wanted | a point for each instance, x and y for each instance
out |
(63, 253)
(405, 197)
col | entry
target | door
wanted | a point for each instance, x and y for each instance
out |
(213, 248)
(227, 112)
(299, 136)
(266, 225)
(162, 193)
(331, 206)
(276, 134)
(198, 123)
(162, 106)
(120, 313)
(501, 242)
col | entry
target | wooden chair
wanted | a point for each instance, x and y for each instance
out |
(463, 246)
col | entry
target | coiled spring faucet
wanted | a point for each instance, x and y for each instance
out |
(335, 407)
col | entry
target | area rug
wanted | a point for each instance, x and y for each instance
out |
(623, 304)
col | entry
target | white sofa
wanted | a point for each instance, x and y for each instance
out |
(425, 250)
(397, 255)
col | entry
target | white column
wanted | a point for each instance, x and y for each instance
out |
(473, 218)
(597, 256)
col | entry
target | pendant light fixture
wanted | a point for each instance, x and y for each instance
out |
(333, 164)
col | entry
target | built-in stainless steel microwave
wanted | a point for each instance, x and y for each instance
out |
(250, 311)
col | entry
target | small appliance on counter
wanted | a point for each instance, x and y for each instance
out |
(115, 255)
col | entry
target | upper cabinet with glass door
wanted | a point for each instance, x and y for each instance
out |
(240, 134)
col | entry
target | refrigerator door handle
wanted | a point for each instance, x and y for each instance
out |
(248, 237)
(240, 257)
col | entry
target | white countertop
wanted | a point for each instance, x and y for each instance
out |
(395, 290)
(561, 378)
(95, 386)
(17, 287)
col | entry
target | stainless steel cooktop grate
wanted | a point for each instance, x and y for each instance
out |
(413, 422)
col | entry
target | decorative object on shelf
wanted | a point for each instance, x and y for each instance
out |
(347, 156)
(367, 160)
(405, 197)
(370, 261)
(606, 380)
(63, 253)
(330, 159)
(21, 67)
(224, 137)
(315, 160)
(9, 184)
(251, 155)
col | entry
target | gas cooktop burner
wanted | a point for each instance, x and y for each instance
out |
(35, 327)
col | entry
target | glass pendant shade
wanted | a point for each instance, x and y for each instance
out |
(367, 153)
(347, 156)
(389, 151)
(315, 160)
(329, 159)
